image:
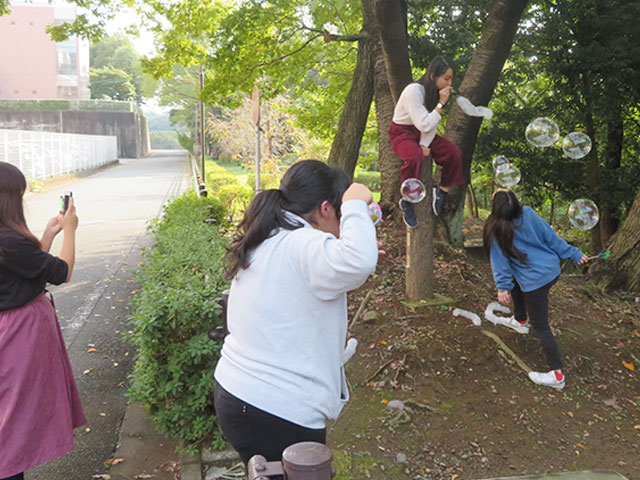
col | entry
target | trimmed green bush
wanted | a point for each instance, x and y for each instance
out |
(368, 178)
(173, 313)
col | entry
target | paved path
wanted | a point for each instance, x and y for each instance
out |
(114, 207)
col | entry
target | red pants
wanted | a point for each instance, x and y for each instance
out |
(405, 140)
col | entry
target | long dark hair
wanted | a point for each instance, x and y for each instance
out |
(12, 188)
(303, 188)
(505, 208)
(437, 68)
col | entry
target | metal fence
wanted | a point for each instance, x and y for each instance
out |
(42, 155)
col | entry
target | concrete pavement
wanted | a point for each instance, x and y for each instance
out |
(114, 207)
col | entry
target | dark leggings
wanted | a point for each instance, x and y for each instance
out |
(19, 476)
(536, 304)
(252, 431)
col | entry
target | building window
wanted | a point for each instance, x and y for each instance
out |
(67, 92)
(67, 62)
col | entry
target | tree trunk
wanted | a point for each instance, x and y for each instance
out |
(613, 159)
(419, 271)
(472, 202)
(346, 144)
(389, 162)
(622, 268)
(593, 171)
(392, 19)
(391, 16)
(478, 84)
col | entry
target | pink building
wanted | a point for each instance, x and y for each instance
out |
(31, 64)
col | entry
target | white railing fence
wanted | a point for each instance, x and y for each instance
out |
(43, 155)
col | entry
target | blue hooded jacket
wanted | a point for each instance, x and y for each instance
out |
(543, 247)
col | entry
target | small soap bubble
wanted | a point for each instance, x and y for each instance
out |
(583, 214)
(576, 145)
(375, 212)
(499, 160)
(413, 190)
(507, 175)
(542, 132)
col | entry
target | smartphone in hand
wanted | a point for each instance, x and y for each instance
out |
(64, 201)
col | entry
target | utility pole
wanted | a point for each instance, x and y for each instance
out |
(255, 100)
(202, 140)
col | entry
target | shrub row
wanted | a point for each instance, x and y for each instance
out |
(181, 275)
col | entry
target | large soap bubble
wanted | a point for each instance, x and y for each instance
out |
(375, 212)
(576, 145)
(583, 214)
(413, 190)
(499, 160)
(507, 175)
(542, 132)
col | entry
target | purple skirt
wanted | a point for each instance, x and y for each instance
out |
(39, 401)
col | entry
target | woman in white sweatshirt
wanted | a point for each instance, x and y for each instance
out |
(298, 251)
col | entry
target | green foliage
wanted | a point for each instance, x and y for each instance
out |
(186, 141)
(228, 188)
(235, 197)
(164, 140)
(82, 105)
(267, 180)
(172, 315)
(112, 83)
(370, 179)
(119, 53)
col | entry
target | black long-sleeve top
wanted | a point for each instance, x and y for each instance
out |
(25, 270)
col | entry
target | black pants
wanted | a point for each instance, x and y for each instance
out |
(252, 431)
(19, 476)
(536, 305)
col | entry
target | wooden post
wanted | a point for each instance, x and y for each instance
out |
(419, 273)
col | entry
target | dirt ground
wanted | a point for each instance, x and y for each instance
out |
(470, 411)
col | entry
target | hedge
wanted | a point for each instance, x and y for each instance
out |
(181, 275)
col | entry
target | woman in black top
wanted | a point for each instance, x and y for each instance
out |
(39, 401)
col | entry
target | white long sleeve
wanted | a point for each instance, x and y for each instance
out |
(410, 110)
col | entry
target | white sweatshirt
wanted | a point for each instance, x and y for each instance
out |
(287, 318)
(410, 110)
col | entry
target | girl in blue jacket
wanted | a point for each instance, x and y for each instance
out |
(525, 255)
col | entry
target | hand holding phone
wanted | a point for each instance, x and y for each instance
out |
(68, 220)
(64, 201)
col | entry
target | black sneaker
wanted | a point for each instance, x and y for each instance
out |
(439, 197)
(408, 214)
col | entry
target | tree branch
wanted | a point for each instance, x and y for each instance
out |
(275, 60)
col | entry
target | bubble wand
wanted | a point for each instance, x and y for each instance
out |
(603, 256)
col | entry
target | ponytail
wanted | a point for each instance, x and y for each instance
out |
(499, 225)
(303, 188)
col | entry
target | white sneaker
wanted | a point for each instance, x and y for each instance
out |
(513, 324)
(547, 379)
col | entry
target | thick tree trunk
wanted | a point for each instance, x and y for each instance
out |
(478, 84)
(346, 144)
(419, 277)
(622, 269)
(392, 18)
(389, 162)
